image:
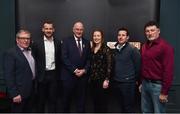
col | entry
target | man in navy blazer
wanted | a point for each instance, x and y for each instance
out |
(74, 75)
(19, 73)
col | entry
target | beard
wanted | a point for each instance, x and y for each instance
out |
(48, 35)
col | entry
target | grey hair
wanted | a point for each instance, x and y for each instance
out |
(22, 31)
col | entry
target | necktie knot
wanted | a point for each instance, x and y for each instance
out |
(27, 49)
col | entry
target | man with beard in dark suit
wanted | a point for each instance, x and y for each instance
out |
(47, 56)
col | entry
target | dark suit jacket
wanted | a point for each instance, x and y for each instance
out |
(39, 55)
(71, 58)
(17, 72)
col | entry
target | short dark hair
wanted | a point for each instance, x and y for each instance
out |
(151, 23)
(48, 22)
(124, 29)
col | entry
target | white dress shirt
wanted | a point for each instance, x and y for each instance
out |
(30, 59)
(49, 53)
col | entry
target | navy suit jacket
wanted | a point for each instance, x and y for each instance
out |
(17, 73)
(38, 49)
(71, 58)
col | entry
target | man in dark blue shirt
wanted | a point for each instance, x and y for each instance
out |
(126, 67)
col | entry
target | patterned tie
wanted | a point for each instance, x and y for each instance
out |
(79, 47)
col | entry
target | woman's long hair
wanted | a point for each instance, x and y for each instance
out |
(102, 38)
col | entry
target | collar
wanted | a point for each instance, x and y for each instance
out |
(24, 49)
(118, 46)
(77, 38)
(46, 39)
(156, 41)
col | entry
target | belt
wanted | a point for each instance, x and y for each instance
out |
(153, 81)
(49, 71)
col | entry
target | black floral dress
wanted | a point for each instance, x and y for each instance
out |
(101, 64)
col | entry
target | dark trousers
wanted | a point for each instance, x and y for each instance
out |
(74, 88)
(27, 105)
(99, 96)
(125, 93)
(47, 92)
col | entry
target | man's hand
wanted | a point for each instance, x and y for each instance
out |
(79, 72)
(140, 87)
(17, 99)
(163, 98)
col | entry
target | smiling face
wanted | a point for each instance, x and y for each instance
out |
(152, 32)
(23, 39)
(97, 37)
(122, 37)
(78, 29)
(48, 30)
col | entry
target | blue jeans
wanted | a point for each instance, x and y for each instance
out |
(150, 98)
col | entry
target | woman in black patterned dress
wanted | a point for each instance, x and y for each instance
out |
(100, 71)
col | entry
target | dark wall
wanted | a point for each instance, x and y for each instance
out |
(7, 29)
(7, 14)
(106, 14)
(169, 22)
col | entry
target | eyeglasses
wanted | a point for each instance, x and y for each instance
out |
(24, 38)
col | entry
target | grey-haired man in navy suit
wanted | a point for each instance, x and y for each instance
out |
(75, 58)
(19, 73)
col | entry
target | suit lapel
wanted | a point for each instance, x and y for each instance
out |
(22, 56)
(55, 48)
(42, 48)
(83, 47)
(74, 45)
